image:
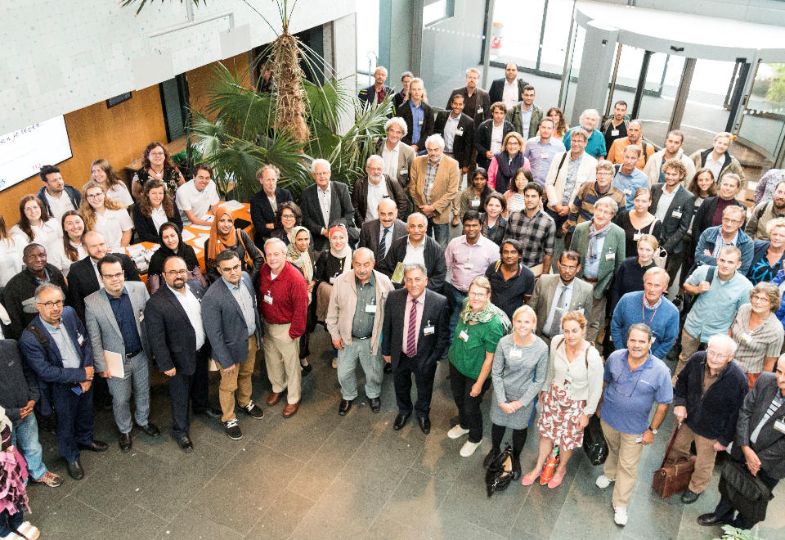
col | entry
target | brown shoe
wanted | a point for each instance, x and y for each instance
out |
(273, 398)
(290, 409)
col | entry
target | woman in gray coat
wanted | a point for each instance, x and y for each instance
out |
(518, 373)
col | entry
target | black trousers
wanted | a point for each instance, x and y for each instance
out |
(74, 419)
(725, 509)
(423, 378)
(199, 383)
(180, 388)
(468, 406)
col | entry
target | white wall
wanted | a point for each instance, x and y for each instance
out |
(755, 11)
(61, 55)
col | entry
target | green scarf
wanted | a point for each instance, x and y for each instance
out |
(488, 312)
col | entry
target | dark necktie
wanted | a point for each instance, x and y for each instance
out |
(555, 328)
(411, 336)
(383, 243)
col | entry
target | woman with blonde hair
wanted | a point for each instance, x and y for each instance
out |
(105, 216)
(103, 173)
(506, 163)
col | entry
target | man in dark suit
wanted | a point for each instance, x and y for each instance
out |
(760, 443)
(265, 203)
(509, 88)
(483, 135)
(477, 102)
(372, 189)
(416, 330)
(173, 321)
(378, 91)
(231, 321)
(56, 347)
(673, 206)
(416, 247)
(457, 130)
(83, 277)
(324, 204)
(379, 234)
(418, 116)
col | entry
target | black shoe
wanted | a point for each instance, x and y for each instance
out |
(425, 424)
(95, 446)
(375, 403)
(125, 442)
(211, 412)
(490, 458)
(232, 429)
(689, 497)
(516, 468)
(345, 406)
(400, 420)
(185, 444)
(75, 469)
(710, 519)
(253, 411)
(151, 430)
(387, 367)
(306, 369)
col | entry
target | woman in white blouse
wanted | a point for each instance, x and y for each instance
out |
(103, 173)
(155, 207)
(105, 216)
(71, 249)
(10, 255)
(35, 225)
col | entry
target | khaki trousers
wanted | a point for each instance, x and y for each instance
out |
(282, 357)
(238, 381)
(704, 464)
(596, 320)
(689, 346)
(624, 454)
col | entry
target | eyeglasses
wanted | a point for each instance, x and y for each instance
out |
(95, 195)
(227, 269)
(478, 294)
(112, 276)
(718, 356)
(51, 304)
(159, 153)
(176, 272)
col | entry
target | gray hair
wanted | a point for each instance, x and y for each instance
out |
(435, 139)
(473, 70)
(376, 158)
(656, 270)
(382, 68)
(396, 121)
(48, 287)
(609, 202)
(724, 341)
(274, 241)
(415, 266)
(269, 167)
(320, 161)
(417, 215)
(579, 131)
(590, 112)
(635, 148)
(641, 328)
(364, 251)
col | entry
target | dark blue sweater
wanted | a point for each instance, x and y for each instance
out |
(664, 322)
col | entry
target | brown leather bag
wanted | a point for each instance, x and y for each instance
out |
(673, 478)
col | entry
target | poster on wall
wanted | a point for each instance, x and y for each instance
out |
(24, 151)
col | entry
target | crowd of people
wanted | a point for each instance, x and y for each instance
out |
(554, 297)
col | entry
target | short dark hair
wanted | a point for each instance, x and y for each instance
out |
(514, 243)
(527, 87)
(226, 255)
(471, 215)
(31, 246)
(108, 259)
(535, 186)
(498, 197)
(47, 169)
(570, 255)
(621, 102)
(455, 96)
(203, 167)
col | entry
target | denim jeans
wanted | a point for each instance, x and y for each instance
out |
(347, 367)
(455, 299)
(136, 380)
(440, 233)
(26, 439)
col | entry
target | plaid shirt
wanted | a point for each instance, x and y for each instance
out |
(536, 234)
(430, 179)
(582, 206)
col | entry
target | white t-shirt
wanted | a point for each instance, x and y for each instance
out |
(10, 259)
(497, 136)
(390, 158)
(112, 224)
(48, 234)
(120, 194)
(198, 202)
(59, 259)
(159, 217)
(511, 96)
(59, 206)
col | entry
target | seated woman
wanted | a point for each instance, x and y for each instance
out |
(287, 218)
(505, 164)
(473, 197)
(767, 259)
(157, 165)
(172, 245)
(154, 208)
(35, 225)
(518, 373)
(103, 173)
(331, 264)
(514, 193)
(639, 220)
(570, 396)
(106, 217)
(629, 276)
(492, 225)
(758, 332)
(10, 255)
(71, 249)
(224, 235)
(302, 257)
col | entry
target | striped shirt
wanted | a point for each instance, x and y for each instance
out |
(582, 206)
(775, 404)
(756, 345)
(537, 235)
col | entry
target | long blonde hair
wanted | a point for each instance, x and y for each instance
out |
(88, 212)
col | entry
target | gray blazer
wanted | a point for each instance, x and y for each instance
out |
(102, 325)
(405, 158)
(224, 323)
(770, 444)
(544, 291)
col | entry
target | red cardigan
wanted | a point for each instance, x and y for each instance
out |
(290, 299)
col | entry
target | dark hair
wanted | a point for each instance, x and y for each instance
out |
(47, 169)
(620, 102)
(70, 251)
(24, 223)
(570, 255)
(498, 105)
(471, 215)
(641, 328)
(455, 96)
(168, 164)
(108, 259)
(482, 172)
(696, 190)
(111, 176)
(514, 243)
(298, 214)
(406, 74)
(203, 167)
(561, 128)
(226, 255)
(169, 258)
(676, 133)
(527, 87)
(144, 201)
(29, 247)
(499, 198)
(535, 186)
(513, 186)
(3, 231)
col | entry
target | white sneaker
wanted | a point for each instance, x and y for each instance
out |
(603, 481)
(468, 448)
(457, 432)
(29, 531)
(620, 516)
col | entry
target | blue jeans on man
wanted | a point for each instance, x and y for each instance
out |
(25, 437)
(455, 299)
(440, 232)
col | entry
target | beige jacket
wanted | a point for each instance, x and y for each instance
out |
(445, 186)
(343, 300)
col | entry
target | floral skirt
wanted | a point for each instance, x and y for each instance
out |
(560, 419)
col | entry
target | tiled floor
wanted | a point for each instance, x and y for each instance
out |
(318, 475)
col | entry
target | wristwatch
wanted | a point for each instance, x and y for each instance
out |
(653, 431)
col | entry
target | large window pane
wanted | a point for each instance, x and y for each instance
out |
(516, 31)
(367, 41)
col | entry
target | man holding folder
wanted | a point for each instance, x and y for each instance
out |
(114, 315)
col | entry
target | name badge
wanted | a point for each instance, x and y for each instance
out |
(464, 336)
(468, 266)
(676, 214)
(420, 122)
(80, 339)
(628, 191)
(141, 316)
(332, 280)
(428, 330)
(268, 299)
(479, 111)
(516, 354)
(636, 236)
(779, 425)
(459, 132)
(475, 203)
(404, 170)
(544, 155)
(746, 338)
(614, 133)
(610, 256)
(370, 308)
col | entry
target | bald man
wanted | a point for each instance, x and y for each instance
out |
(379, 234)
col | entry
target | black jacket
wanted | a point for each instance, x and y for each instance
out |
(367, 95)
(463, 143)
(496, 92)
(145, 227)
(243, 243)
(341, 211)
(674, 228)
(703, 217)
(18, 383)
(405, 112)
(712, 415)
(262, 212)
(434, 261)
(360, 197)
(770, 444)
(483, 109)
(19, 298)
(482, 140)
(369, 236)
(430, 347)
(83, 282)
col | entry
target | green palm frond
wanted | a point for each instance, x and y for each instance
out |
(247, 113)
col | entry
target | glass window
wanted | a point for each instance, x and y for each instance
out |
(367, 41)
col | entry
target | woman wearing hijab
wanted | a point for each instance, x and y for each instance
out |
(301, 256)
(224, 235)
(172, 245)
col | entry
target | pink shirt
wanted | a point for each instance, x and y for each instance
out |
(466, 261)
(420, 301)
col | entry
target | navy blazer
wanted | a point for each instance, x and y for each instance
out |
(225, 325)
(426, 130)
(431, 347)
(262, 213)
(462, 145)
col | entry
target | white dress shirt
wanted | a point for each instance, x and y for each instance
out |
(193, 309)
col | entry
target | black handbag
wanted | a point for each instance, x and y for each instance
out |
(749, 495)
(499, 474)
(594, 444)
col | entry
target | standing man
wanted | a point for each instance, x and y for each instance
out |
(477, 103)
(511, 281)
(457, 129)
(673, 205)
(354, 320)
(368, 192)
(265, 202)
(489, 135)
(765, 212)
(616, 126)
(57, 196)
(378, 91)
(173, 321)
(525, 116)
(416, 337)
(634, 137)
(706, 400)
(718, 159)
(673, 150)
(230, 315)
(56, 347)
(397, 156)
(595, 142)
(418, 116)
(114, 317)
(534, 229)
(198, 197)
(634, 381)
(729, 233)
(416, 247)
(433, 187)
(379, 234)
(509, 88)
(628, 177)
(326, 203)
(569, 170)
(541, 149)
(284, 308)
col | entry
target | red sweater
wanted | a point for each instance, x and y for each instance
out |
(290, 299)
